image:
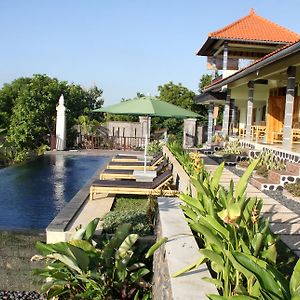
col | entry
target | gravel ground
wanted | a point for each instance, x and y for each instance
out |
(20, 295)
(277, 195)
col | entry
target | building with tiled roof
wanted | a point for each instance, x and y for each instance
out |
(251, 37)
(261, 99)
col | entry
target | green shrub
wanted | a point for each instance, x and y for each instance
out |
(140, 212)
(154, 147)
(137, 219)
(293, 188)
(129, 203)
(85, 269)
(236, 241)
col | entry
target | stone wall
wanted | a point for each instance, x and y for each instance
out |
(16, 250)
(161, 278)
(180, 251)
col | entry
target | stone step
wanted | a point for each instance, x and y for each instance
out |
(281, 177)
(293, 168)
(263, 184)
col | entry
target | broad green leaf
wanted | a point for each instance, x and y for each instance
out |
(84, 245)
(217, 175)
(257, 242)
(189, 213)
(110, 248)
(46, 249)
(156, 246)
(243, 182)
(295, 280)
(139, 274)
(208, 235)
(90, 229)
(211, 255)
(136, 266)
(216, 225)
(68, 261)
(238, 266)
(191, 201)
(199, 262)
(127, 244)
(81, 257)
(265, 278)
(218, 283)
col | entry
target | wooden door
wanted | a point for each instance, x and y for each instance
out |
(275, 115)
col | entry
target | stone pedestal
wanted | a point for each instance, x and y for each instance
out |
(189, 133)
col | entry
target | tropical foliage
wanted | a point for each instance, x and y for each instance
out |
(236, 241)
(85, 269)
(191, 162)
(28, 109)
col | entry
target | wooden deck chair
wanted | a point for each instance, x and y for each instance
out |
(138, 165)
(131, 158)
(160, 186)
(110, 174)
(128, 158)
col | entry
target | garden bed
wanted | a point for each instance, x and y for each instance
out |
(138, 211)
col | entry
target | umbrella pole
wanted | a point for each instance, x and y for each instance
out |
(146, 145)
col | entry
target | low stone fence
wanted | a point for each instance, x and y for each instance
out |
(181, 249)
(181, 178)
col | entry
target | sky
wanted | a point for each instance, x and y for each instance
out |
(122, 46)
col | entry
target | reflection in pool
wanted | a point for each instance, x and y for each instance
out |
(32, 194)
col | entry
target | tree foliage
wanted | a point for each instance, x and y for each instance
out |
(179, 95)
(204, 81)
(28, 108)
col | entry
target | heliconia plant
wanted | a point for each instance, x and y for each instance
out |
(81, 269)
(237, 242)
(191, 162)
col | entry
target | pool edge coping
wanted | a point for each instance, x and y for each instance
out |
(66, 215)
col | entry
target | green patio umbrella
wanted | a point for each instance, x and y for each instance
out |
(148, 106)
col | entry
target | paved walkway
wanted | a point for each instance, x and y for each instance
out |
(283, 221)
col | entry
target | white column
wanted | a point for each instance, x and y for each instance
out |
(225, 123)
(210, 123)
(289, 108)
(61, 125)
(249, 110)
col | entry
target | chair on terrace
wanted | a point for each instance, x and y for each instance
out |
(138, 165)
(109, 174)
(160, 186)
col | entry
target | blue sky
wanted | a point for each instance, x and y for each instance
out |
(123, 47)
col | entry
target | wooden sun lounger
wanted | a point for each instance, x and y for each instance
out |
(128, 158)
(139, 165)
(160, 186)
(110, 174)
(131, 158)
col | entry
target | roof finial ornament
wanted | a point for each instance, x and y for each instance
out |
(252, 11)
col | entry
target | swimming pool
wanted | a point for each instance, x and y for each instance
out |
(33, 193)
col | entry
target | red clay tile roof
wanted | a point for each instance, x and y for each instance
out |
(256, 28)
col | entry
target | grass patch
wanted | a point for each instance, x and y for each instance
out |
(139, 212)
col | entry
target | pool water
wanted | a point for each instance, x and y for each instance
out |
(32, 194)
